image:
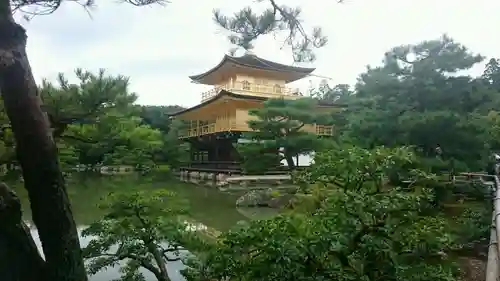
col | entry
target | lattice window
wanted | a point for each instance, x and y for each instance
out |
(278, 89)
(246, 85)
(201, 156)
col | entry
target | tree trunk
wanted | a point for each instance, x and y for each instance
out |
(160, 262)
(37, 155)
(19, 256)
(289, 161)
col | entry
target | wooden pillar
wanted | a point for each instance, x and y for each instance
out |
(216, 150)
(233, 153)
(191, 153)
(209, 148)
(211, 151)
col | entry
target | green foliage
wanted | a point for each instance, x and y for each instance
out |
(353, 236)
(491, 74)
(68, 156)
(116, 140)
(145, 230)
(246, 26)
(411, 99)
(257, 158)
(472, 229)
(7, 143)
(354, 168)
(327, 94)
(95, 121)
(94, 96)
(158, 117)
(358, 226)
(278, 127)
(174, 151)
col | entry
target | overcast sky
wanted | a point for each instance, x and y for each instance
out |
(159, 47)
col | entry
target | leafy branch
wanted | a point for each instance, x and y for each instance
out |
(31, 8)
(246, 26)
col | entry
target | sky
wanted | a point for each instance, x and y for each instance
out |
(158, 47)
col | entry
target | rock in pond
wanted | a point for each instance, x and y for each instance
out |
(264, 198)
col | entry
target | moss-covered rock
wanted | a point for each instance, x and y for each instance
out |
(271, 198)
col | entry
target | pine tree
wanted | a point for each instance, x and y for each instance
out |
(278, 132)
(35, 146)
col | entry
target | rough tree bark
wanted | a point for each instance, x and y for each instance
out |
(37, 155)
(19, 256)
(289, 161)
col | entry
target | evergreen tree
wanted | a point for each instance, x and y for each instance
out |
(279, 132)
(412, 99)
(36, 149)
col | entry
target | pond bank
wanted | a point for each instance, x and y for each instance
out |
(207, 205)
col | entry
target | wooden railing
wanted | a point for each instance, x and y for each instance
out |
(211, 93)
(243, 87)
(198, 131)
(324, 130)
(492, 266)
(230, 124)
(221, 125)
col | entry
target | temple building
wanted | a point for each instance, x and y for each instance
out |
(239, 84)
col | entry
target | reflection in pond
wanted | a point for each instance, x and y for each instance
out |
(208, 207)
(113, 272)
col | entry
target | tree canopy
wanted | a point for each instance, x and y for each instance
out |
(370, 207)
(362, 226)
(98, 122)
(279, 133)
(246, 26)
(36, 150)
(419, 96)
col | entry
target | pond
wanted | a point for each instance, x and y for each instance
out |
(208, 206)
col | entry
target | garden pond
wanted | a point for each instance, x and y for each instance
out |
(208, 206)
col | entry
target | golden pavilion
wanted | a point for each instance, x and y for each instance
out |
(239, 84)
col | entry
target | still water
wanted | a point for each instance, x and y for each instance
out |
(208, 206)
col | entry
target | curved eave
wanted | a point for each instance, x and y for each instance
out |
(252, 61)
(213, 69)
(224, 93)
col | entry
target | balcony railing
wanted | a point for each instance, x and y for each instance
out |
(222, 125)
(322, 130)
(198, 131)
(231, 125)
(244, 87)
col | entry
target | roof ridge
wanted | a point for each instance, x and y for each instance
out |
(254, 61)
